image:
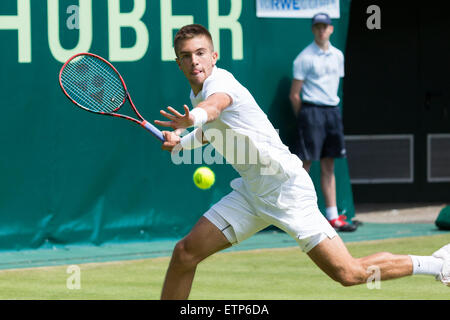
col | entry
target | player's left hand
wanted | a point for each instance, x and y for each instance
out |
(177, 120)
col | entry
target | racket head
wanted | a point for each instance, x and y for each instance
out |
(92, 83)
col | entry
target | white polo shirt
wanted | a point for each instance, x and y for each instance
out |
(321, 71)
(262, 160)
(273, 188)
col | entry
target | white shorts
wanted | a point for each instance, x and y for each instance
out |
(241, 214)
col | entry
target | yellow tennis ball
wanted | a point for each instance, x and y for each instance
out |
(204, 178)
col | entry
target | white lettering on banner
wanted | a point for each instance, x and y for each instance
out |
(230, 22)
(22, 23)
(216, 23)
(116, 21)
(296, 8)
(85, 27)
(170, 22)
(80, 18)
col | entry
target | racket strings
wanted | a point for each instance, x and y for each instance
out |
(85, 75)
(93, 84)
(93, 95)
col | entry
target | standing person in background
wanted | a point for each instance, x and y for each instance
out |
(316, 74)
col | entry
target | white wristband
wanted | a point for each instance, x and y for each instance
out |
(200, 116)
(190, 141)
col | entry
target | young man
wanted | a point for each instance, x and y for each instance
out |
(273, 190)
(317, 71)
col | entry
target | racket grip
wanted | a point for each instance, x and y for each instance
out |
(153, 130)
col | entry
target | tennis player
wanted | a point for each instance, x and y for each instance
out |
(275, 190)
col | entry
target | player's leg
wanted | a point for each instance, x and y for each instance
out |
(328, 186)
(204, 240)
(307, 165)
(323, 245)
(311, 135)
(328, 181)
(333, 147)
(228, 222)
(332, 256)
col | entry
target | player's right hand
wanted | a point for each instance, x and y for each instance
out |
(171, 140)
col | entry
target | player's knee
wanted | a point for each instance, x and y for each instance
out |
(183, 256)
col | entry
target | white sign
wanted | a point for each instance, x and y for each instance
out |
(296, 8)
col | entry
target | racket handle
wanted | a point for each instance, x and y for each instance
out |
(153, 130)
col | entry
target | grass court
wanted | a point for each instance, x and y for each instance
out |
(272, 273)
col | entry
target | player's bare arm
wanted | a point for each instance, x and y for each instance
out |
(294, 95)
(213, 106)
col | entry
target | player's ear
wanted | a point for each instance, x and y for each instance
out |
(331, 28)
(215, 56)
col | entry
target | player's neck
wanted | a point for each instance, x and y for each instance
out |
(196, 89)
(324, 45)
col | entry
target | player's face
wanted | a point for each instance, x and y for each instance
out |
(196, 58)
(322, 32)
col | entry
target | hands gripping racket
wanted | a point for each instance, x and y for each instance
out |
(93, 84)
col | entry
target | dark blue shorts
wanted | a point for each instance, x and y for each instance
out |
(321, 132)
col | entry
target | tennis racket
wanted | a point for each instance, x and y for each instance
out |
(93, 84)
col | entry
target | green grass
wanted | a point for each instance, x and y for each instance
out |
(260, 274)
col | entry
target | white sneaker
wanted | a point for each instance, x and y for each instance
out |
(444, 254)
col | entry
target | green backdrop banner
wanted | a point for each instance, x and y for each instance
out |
(68, 176)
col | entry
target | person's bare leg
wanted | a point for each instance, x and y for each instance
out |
(328, 181)
(307, 165)
(204, 240)
(332, 256)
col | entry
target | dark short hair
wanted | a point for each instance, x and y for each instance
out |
(188, 32)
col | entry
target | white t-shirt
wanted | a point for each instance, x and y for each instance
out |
(244, 136)
(321, 71)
